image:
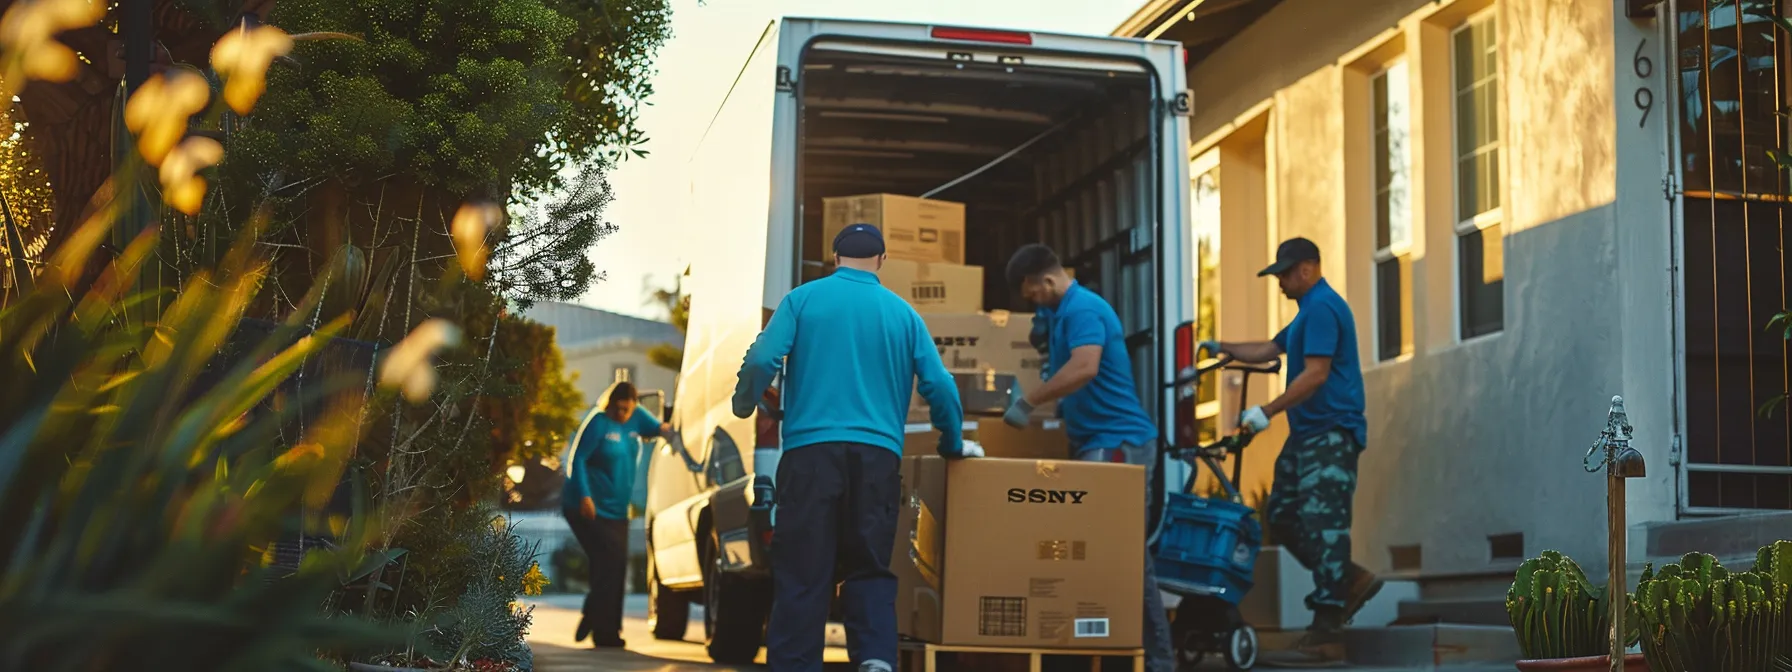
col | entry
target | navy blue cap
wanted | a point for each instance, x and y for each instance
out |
(859, 241)
(1289, 253)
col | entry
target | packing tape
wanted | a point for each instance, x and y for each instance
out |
(1047, 468)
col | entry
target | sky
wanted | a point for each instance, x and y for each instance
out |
(709, 43)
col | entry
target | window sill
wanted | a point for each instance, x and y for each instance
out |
(1404, 358)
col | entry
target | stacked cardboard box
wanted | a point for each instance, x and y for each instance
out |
(1042, 439)
(1020, 553)
(984, 343)
(925, 243)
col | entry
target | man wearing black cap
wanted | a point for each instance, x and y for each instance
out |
(851, 352)
(1315, 478)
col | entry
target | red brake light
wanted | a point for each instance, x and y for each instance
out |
(977, 35)
(1186, 433)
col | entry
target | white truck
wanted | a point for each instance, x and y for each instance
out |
(1080, 142)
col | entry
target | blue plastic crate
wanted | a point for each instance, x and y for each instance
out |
(1207, 547)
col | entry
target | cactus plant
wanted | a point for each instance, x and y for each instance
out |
(1697, 615)
(1556, 612)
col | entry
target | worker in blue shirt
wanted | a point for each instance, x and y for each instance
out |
(851, 353)
(1089, 373)
(601, 460)
(1315, 475)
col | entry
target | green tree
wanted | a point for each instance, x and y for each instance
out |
(678, 306)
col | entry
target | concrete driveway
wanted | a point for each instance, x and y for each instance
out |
(556, 616)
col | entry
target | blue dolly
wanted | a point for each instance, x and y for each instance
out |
(1207, 547)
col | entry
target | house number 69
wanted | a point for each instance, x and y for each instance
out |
(1644, 98)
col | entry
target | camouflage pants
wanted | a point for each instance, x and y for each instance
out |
(1309, 509)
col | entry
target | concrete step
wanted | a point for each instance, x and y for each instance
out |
(1474, 611)
(1432, 645)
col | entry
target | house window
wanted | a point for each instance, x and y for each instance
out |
(625, 374)
(1393, 210)
(1205, 202)
(1474, 56)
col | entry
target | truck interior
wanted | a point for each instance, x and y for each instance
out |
(1039, 148)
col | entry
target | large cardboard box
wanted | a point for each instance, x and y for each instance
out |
(935, 287)
(1042, 440)
(1021, 553)
(994, 341)
(915, 229)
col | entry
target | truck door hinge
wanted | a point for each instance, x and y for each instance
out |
(785, 81)
(1674, 452)
(1670, 185)
(1183, 104)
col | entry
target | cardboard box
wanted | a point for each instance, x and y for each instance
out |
(996, 341)
(1043, 440)
(915, 229)
(1021, 553)
(934, 287)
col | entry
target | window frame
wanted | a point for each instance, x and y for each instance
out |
(1200, 166)
(1495, 216)
(1396, 252)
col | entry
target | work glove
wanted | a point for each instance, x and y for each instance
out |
(966, 448)
(1209, 347)
(1018, 409)
(1254, 419)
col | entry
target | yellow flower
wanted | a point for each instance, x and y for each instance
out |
(159, 110)
(242, 58)
(407, 366)
(182, 187)
(471, 223)
(27, 40)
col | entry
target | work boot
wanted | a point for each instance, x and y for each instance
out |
(1318, 649)
(1361, 585)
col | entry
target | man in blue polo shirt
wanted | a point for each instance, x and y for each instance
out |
(1089, 373)
(851, 352)
(1315, 475)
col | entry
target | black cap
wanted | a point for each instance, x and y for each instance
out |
(1289, 253)
(859, 241)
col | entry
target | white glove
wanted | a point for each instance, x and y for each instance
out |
(1254, 419)
(972, 449)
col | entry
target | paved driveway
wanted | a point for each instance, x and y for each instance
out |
(556, 616)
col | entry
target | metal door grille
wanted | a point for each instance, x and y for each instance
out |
(1732, 77)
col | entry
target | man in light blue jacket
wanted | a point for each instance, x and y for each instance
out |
(851, 352)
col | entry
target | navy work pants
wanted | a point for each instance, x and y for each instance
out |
(836, 518)
(1158, 647)
(606, 551)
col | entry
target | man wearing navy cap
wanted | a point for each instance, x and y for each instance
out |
(1315, 478)
(851, 352)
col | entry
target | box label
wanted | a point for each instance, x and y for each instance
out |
(1091, 627)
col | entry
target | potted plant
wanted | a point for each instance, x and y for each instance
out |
(1562, 621)
(1697, 615)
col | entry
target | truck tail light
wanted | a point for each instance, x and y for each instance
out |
(1186, 433)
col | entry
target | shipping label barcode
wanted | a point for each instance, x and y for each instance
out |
(1091, 627)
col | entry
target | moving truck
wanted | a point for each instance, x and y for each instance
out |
(1080, 142)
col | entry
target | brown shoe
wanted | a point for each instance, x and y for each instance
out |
(1364, 585)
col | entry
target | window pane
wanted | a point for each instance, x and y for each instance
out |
(1463, 53)
(1399, 185)
(1481, 263)
(1206, 222)
(1488, 165)
(1389, 335)
(1467, 189)
(1467, 120)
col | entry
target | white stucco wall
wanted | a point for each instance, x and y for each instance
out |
(1482, 438)
(596, 367)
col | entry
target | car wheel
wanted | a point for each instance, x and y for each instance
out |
(668, 613)
(734, 612)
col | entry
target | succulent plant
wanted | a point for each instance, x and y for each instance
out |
(1697, 615)
(1556, 612)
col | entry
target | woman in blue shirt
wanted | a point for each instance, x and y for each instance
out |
(595, 500)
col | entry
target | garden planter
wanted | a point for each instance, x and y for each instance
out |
(1632, 663)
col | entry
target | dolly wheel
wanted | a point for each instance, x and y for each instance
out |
(1241, 648)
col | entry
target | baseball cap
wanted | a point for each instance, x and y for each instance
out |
(859, 241)
(1289, 253)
